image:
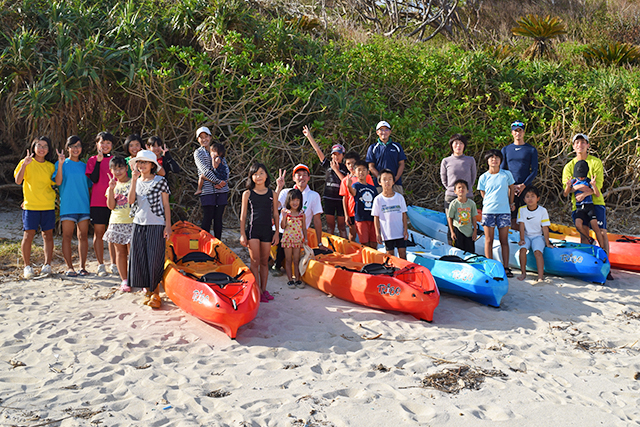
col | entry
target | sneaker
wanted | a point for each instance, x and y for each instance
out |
(124, 286)
(291, 284)
(263, 298)
(299, 284)
(276, 272)
(28, 272)
(114, 269)
(102, 271)
(46, 270)
(268, 295)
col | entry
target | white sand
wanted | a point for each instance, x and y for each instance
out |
(306, 360)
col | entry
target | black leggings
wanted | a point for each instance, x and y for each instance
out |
(213, 214)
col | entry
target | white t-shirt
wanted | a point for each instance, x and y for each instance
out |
(311, 204)
(533, 220)
(389, 211)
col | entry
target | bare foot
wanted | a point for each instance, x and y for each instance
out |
(522, 276)
(540, 280)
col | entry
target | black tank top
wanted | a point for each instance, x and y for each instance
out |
(260, 209)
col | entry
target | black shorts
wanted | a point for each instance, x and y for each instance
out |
(99, 215)
(262, 233)
(463, 242)
(395, 243)
(519, 201)
(333, 207)
(586, 213)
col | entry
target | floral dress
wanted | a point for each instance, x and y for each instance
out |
(292, 236)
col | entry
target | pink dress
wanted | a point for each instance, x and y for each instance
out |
(292, 236)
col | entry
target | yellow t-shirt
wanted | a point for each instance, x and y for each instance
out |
(37, 186)
(120, 214)
(595, 168)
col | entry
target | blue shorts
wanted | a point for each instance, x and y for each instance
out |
(75, 217)
(496, 220)
(535, 243)
(215, 199)
(601, 216)
(31, 220)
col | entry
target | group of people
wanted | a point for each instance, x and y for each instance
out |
(127, 201)
(510, 200)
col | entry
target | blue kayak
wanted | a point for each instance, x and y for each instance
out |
(586, 262)
(458, 272)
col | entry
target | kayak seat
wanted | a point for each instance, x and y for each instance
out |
(218, 278)
(378, 269)
(452, 258)
(197, 257)
(321, 251)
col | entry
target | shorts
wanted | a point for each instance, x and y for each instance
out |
(351, 221)
(333, 207)
(463, 242)
(100, 215)
(31, 220)
(496, 220)
(601, 216)
(535, 243)
(215, 199)
(366, 231)
(390, 245)
(119, 234)
(77, 218)
(519, 201)
(263, 233)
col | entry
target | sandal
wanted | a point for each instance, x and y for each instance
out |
(268, 295)
(83, 272)
(263, 298)
(147, 298)
(509, 272)
(299, 284)
(155, 301)
(71, 273)
(291, 284)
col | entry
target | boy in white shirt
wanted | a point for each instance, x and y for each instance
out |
(390, 216)
(533, 221)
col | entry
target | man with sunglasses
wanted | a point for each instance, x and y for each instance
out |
(521, 159)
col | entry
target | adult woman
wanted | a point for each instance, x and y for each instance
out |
(455, 167)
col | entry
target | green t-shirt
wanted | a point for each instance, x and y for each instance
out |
(462, 214)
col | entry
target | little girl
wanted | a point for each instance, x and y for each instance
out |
(257, 202)
(166, 162)
(74, 204)
(39, 201)
(149, 201)
(294, 235)
(120, 223)
(98, 171)
(132, 145)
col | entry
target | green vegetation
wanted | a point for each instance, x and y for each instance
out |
(542, 29)
(257, 75)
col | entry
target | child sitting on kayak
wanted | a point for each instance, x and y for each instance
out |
(461, 217)
(533, 221)
(390, 216)
(293, 235)
(364, 194)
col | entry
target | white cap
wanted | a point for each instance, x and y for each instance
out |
(145, 156)
(383, 123)
(580, 135)
(203, 129)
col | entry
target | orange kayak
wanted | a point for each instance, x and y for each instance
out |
(624, 251)
(206, 279)
(364, 276)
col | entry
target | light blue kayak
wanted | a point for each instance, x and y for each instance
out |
(458, 272)
(586, 262)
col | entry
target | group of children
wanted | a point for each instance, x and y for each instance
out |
(126, 200)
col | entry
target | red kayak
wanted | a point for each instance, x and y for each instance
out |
(364, 276)
(206, 279)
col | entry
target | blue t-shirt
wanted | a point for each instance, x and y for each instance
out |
(496, 192)
(521, 161)
(587, 200)
(386, 156)
(74, 190)
(365, 193)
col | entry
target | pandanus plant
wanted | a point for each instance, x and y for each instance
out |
(542, 29)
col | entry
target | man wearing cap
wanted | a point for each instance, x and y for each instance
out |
(580, 143)
(213, 204)
(335, 173)
(386, 154)
(521, 159)
(311, 204)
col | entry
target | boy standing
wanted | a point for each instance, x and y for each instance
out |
(461, 218)
(390, 216)
(364, 194)
(386, 154)
(533, 221)
(348, 202)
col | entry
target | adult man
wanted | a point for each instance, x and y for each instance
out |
(521, 159)
(580, 144)
(386, 154)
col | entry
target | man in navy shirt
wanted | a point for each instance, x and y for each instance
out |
(386, 154)
(521, 160)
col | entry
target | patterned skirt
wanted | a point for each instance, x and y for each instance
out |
(119, 233)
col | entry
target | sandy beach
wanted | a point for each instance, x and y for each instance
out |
(77, 352)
